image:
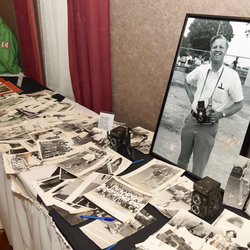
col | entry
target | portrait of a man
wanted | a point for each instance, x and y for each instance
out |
(205, 113)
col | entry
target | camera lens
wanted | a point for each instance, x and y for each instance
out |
(197, 199)
(195, 209)
(113, 144)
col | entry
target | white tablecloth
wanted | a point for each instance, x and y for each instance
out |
(27, 224)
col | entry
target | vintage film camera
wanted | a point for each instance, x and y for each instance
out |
(206, 198)
(203, 113)
(120, 141)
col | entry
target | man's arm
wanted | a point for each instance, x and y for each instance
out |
(189, 91)
(234, 108)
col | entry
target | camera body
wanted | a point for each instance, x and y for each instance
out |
(206, 198)
(119, 139)
(203, 113)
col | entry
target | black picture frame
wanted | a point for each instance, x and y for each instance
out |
(233, 137)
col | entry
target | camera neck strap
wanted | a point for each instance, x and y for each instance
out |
(215, 85)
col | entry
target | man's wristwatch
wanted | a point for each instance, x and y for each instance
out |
(223, 114)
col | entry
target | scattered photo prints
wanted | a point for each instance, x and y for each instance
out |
(77, 188)
(53, 149)
(48, 134)
(38, 131)
(179, 238)
(6, 146)
(97, 136)
(11, 132)
(234, 231)
(65, 116)
(190, 222)
(50, 186)
(42, 93)
(119, 199)
(6, 96)
(153, 176)
(11, 102)
(178, 196)
(105, 233)
(74, 218)
(141, 139)
(84, 162)
(79, 126)
(49, 183)
(116, 165)
(23, 161)
(152, 243)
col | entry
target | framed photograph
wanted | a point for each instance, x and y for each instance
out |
(203, 124)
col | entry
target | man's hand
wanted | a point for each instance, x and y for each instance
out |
(215, 116)
(234, 108)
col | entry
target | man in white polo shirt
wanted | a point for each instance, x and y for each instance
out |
(219, 84)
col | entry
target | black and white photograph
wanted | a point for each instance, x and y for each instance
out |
(205, 112)
(37, 109)
(65, 116)
(30, 144)
(23, 162)
(6, 96)
(6, 146)
(235, 231)
(61, 106)
(152, 243)
(11, 132)
(141, 139)
(111, 166)
(238, 185)
(191, 223)
(21, 137)
(74, 219)
(95, 135)
(43, 93)
(153, 176)
(116, 165)
(12, 118)
(178, 238)
(221, 239)
(119, 199)
(75, 190)
(48, 183)
(88, 160)
(105, 233)
(18, 150)
(80, 125)
(11, 102)
(48, 186)
(54, 149)
(170, 200)
(48, 134)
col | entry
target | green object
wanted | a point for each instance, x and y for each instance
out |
(8, 50)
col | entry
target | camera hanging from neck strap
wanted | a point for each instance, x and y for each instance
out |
(215, 85)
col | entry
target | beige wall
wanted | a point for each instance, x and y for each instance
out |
(144, 39)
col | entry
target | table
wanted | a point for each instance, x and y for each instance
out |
(31, 226)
